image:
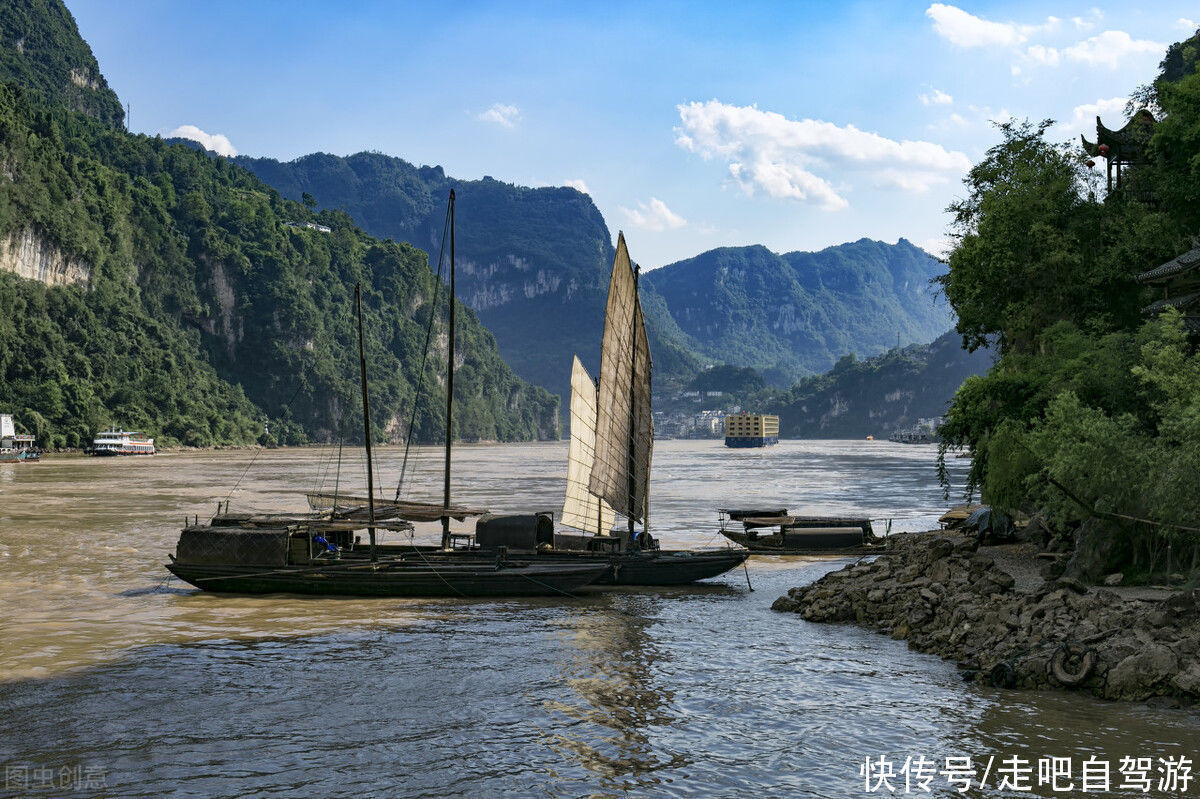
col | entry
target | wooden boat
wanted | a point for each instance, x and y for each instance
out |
(608, 469)
(608, 460)
(296, 559)
(798, 535)
(318, 553)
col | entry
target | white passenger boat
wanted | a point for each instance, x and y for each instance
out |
(122, 442)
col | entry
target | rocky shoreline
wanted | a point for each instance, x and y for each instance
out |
(945, 595)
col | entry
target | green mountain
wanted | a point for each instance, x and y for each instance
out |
(797, 313)
(41, 49)
(532, 263)
(878, 395)
(159, 288)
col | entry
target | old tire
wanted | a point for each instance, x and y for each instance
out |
(1003, 675)
(1065, 677)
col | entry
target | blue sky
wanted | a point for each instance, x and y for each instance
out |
(692, 125)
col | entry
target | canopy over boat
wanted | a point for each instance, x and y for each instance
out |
(353, 507)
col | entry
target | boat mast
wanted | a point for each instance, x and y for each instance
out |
(449, 392)
(362, 369)
(633, 409)
(595, 435)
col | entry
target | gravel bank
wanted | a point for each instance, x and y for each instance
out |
(988, 610)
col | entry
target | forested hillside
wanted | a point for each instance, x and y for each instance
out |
(41, 49)
(878, 395)
(190, 302)
(1091, 415)
(795, 314)
(533, 263)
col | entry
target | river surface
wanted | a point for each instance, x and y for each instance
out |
(117, 681)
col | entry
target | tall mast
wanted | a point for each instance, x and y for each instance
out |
(633, 405)
(595, 434)
(449, 391)
(362, 368)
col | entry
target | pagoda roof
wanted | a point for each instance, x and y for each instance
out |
(1176, 266)
(1126, 143)
(1181, 302)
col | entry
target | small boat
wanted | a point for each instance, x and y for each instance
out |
(113, 442)
(798, 535)
(16, 447)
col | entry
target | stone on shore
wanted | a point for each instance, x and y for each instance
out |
(942, 595)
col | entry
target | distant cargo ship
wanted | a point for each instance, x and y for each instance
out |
(751, 430)
(122, 442)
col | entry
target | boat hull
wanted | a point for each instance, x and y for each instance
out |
(649, 568)
(391, 579)
(773, 545)
(744, 442)
(669, 567)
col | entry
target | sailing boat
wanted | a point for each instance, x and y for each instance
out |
(612, 441)
(608, 467)
(317, 553)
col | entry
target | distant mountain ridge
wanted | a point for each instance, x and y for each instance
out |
(795, 314)
(534, 265)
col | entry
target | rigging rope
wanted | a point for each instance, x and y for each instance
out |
(299, 386)
(437, 285)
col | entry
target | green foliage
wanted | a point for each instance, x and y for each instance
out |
(1090, 412)
(41, 50)
(207, 308)
(1035, 246)
(876, 395)
(729, 379)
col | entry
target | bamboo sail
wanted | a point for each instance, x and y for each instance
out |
(582, 509)
(625, 428)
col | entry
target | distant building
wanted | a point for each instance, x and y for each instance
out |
(1122, 148)
(1179, 281)
(751, 430)
(309, 226)
(925, 431)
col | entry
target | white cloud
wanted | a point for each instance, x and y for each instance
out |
(654, 215)
(1089, 22)
(506, 116)
(1110, 48)
(1083, 119)
(1040, 54)
(578, 185)
(936, 97)
(217, 142)
(1186, 24)
(967, 30)
(782, 157)
(937, 246)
